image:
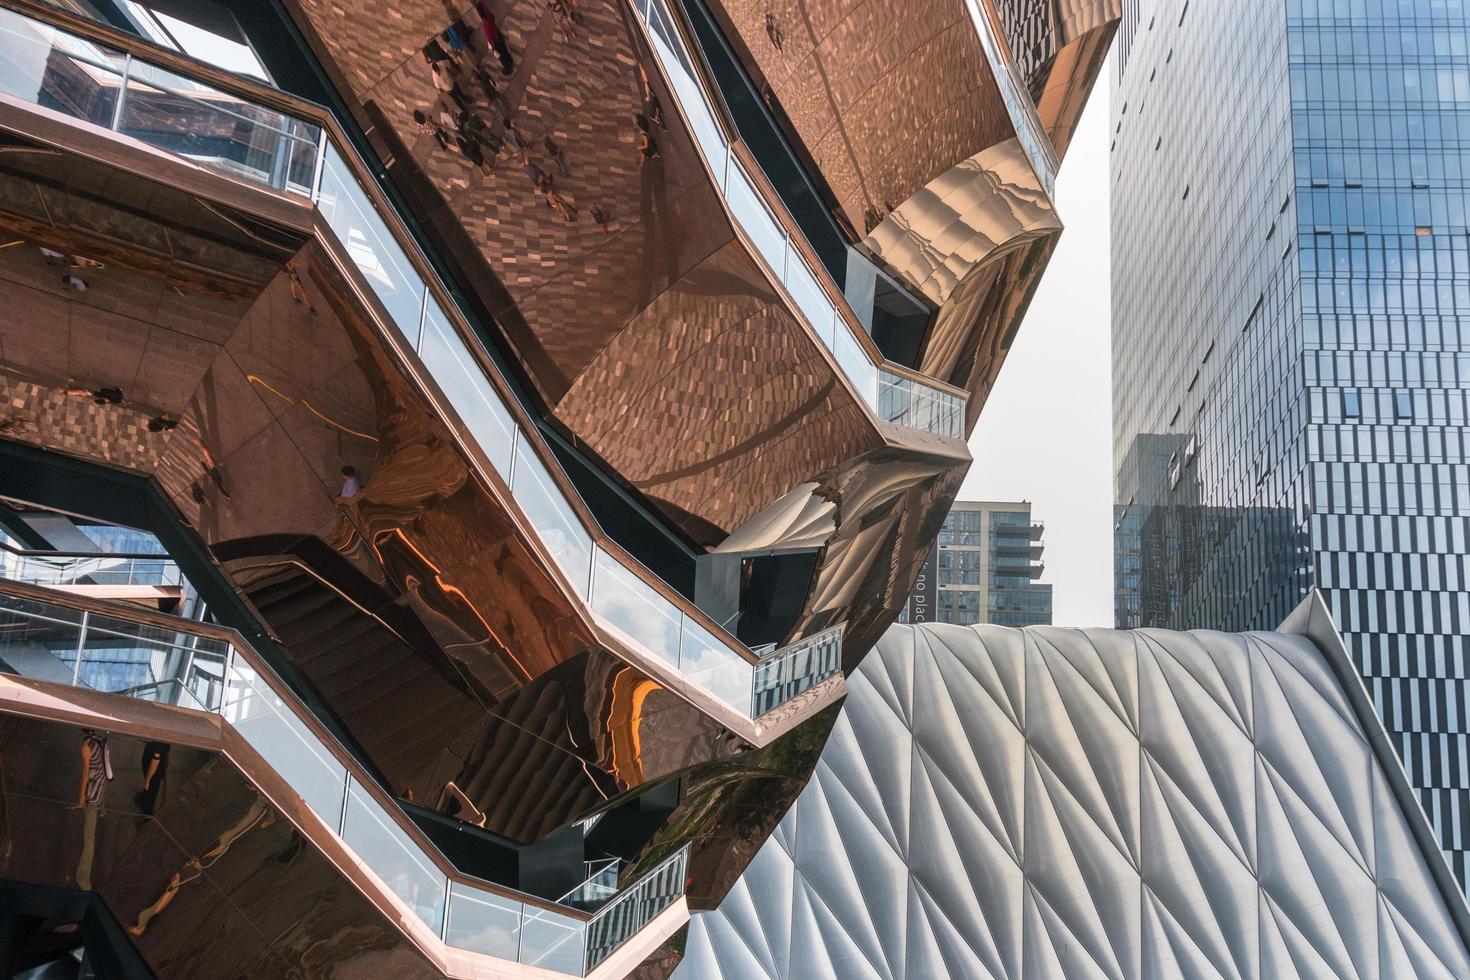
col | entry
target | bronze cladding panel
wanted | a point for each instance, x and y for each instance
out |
(884, 95)
(216, 882)
(273, 396)
(659, 344)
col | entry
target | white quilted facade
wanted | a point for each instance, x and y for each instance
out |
(1076, 804)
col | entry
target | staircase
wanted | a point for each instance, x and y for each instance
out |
(403, 711)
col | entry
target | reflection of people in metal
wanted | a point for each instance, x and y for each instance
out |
(773, 31)
(298, 291)
(96, 768)
(351, 483)
(259, 815)
(647, 145)
(96, 773)
(155, 767)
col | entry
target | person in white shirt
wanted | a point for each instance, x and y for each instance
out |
(351, 485)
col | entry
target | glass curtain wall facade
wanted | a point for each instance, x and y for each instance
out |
(1291, 316)
(985, 567)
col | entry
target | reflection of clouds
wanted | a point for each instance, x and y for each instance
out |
(635, 608)
(552, 941)
(716, 668)
(484, 923)
(553, 519)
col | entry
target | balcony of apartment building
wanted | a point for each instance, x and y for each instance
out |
(1011, 531)
(1016, 568)
(1011, 540)
(253, 335)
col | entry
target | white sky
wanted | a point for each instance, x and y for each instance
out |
(1045, 434)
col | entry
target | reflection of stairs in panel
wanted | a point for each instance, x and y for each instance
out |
(531, 727)
(401, 710)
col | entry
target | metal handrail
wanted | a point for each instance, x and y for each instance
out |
(124, 73)
(607, 864)
(102, 567)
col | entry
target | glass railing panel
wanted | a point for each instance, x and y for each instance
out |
(895, 398)
(39, 640)
(635, 907)
(54, 70)
(796, 669)
(636, 608)
(854, 362)
(552, 516)
(368, 243)
(751, 211)
(691, 97)
(202, 647)
(484, 922)
(394, 857)
(464, 383)
(36, 570)
(811, 298)
(100, 570)
(284, 741)
(552, 941)
(121, 571)
(152, 663)
(210, 127)
(710, 663)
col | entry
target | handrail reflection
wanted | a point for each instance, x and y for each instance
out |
(39, 567)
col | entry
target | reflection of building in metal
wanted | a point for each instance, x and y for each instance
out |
(1079, 803)
(1178, 560)
(552, 453)
(983, 569)
(1290, 311)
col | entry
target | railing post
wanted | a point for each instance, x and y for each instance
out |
(122, 93)
(418, 345)
(321, 162)
(592, 576)
(76, 670)
(229, 671)
(342, 820)
(281, 166)
(188, 666)
(444, 920)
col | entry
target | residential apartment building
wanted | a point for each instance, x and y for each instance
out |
(984, 569)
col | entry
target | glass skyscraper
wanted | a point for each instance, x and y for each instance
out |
(1291, 323)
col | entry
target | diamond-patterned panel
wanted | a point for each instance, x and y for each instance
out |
(1064, 803)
